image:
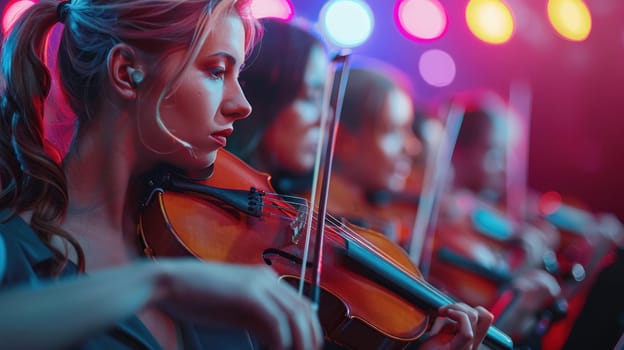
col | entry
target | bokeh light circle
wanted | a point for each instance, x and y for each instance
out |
(421, 19)
(346, 23)
(490, 20)
(570, 18)
(437, 68)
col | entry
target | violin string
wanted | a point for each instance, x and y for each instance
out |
(347, 233)
(344, 231)
(335, 222)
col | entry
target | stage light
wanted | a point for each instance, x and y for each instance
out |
(280, 9)
(421, 19)
(490, 20)
(437, 68)
(570, 18)
(346, 23)
(12, 12)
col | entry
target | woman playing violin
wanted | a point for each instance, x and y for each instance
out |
(478, 186)
(281, 136)
(150, 82)
(378, 107)
(480, 160)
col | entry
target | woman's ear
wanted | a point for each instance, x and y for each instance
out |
(123, 71)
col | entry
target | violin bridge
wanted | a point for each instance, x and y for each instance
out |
(298, 222)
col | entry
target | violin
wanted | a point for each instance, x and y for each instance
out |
(476, 244)
(372, 295)
(490, 229)
(465, 263)
(480, 250)
(476, 258)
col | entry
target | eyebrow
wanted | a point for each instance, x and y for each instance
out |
(231, 60)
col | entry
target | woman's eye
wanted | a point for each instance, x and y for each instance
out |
(217, 73)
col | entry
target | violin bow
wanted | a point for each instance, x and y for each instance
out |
(436, 173)
(517, 149)
(325, 149)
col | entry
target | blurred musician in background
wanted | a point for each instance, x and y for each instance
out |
(480, 171)
(375, 150)
(591, 245)
(477, 202)
(581, 241)
(369, 177)
(286, 92)
(282, 134)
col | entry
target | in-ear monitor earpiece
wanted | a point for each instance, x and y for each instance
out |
(136, 76)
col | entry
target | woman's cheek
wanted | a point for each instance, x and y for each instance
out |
(390, 145)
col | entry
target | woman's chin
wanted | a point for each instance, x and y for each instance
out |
(396, 183)
(197, 162)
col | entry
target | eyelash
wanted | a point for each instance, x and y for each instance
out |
(217, 73)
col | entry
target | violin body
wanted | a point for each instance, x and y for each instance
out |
(475, 244)
(355, 311)
(467, 267)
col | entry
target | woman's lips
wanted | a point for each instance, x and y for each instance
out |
(221, 136)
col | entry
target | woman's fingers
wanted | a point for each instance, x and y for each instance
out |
(298, 326)
(249, 297)
(304, 325)
(271, 325)
(485, 320)
(462, 326)
(464, 334)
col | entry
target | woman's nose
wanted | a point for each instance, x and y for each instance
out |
(412, 145)
(237, 106)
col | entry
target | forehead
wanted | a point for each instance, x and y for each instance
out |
(317, 66)
(227, 35)
(397, 109)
